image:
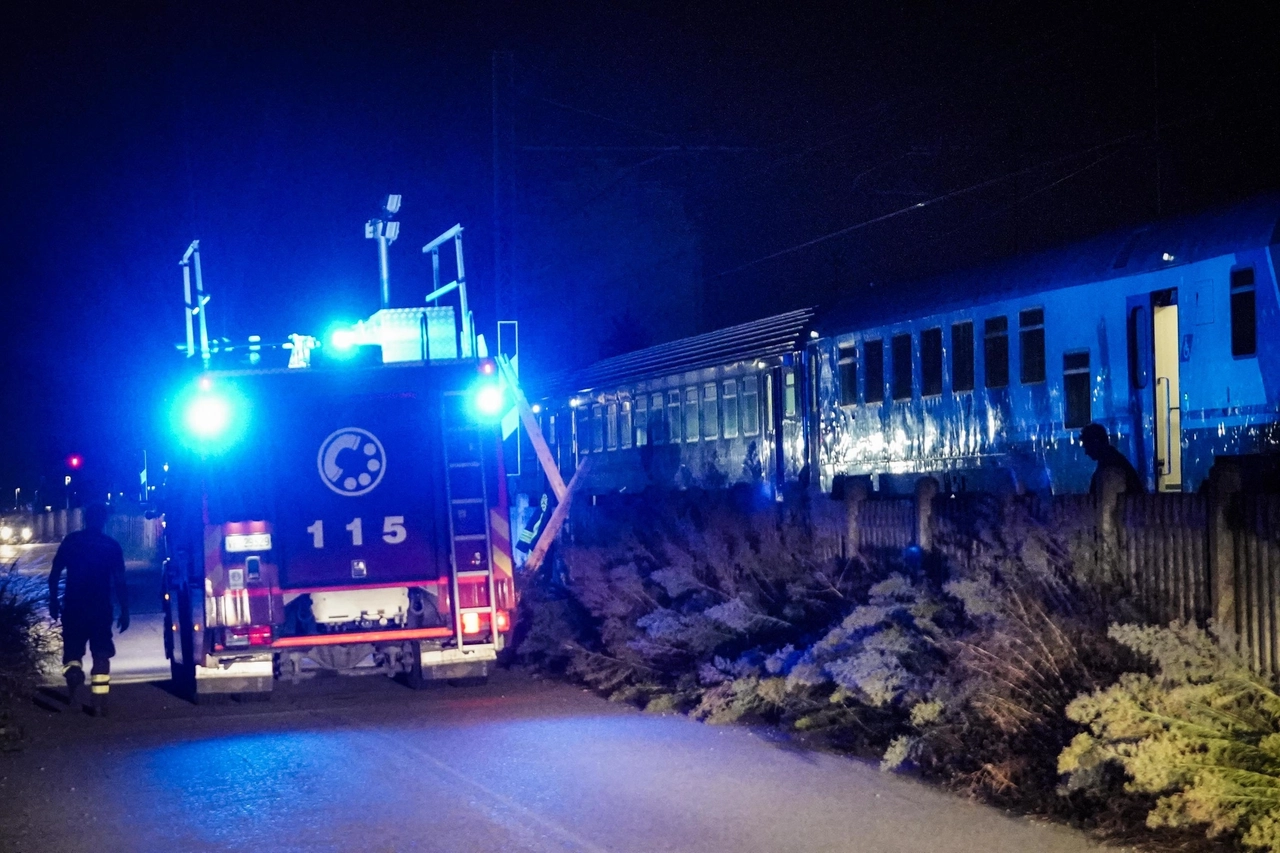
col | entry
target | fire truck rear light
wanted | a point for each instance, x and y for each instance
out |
(503, 621)
(239, 638)
(471, 623)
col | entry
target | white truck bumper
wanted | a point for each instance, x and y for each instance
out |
(242, 674)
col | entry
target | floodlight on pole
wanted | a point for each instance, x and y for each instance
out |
(195, 302)
(385, 231)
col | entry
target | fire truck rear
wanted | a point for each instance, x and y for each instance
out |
(338, 519)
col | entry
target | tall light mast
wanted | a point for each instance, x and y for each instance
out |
(385, 231)
(195, 303)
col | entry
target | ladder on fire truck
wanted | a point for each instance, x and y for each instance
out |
(470, 552)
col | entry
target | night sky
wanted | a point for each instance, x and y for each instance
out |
(667, 163)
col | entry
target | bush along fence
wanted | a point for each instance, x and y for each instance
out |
(1010, 647)
(1174, 557)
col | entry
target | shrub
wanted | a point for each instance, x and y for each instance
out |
(1202, 733)
(668, 583)
(25, 640)
(1027, 638)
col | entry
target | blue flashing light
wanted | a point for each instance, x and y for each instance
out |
(490, 400)
(343, 339)
(207, 416)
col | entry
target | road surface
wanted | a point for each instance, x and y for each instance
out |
(364, 764)
(140, 650)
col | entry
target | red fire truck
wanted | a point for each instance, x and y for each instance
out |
(350, 519)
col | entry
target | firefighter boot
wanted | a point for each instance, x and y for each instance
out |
(100, 687)
(73, 671)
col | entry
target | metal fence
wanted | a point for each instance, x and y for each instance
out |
(1182, 557)
(1164, 543)
(138, 535)
(1254, 523)
(884, 524)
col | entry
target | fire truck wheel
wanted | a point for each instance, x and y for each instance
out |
(414, 678)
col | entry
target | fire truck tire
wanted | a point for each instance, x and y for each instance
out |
(182, 668)
(415, 678)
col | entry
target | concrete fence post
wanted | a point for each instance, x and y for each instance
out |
(927, 489)
(855, 495)
(1225, 481)
(1111, 486)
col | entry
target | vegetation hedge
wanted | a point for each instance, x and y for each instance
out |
(25, 641)
(988, 666)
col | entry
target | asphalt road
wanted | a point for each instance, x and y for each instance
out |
(519, 764)
(140, 650)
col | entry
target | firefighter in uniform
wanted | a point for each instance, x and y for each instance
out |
(94, 563)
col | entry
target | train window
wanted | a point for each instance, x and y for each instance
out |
(1139, 346)
(729, 407)
(847, 374)
(597, 429)
(710, 411)
(995, 352)
(611, 427)
(551, 430)
(690, 415)
(642, 420)
(1077, 391)
(1031, 345)
(1244, 317)
(750, 405)
(582, 429)
(813, 382)
(931, 362)
(874, 352)
(624, 424)
(673, 417)
(768, 401)
(900, 365)
(961, 357)
(788, 393)
(657, 429)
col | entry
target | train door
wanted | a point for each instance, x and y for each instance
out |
(1154, 388)
(1164, 318)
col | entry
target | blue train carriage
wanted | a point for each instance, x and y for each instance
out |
(708, 411)
(1165, 334)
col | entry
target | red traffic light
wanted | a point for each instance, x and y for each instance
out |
(74, 460)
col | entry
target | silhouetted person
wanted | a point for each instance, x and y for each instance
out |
(1097, 446)
(94, 564)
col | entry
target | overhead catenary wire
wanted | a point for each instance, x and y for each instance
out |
(920, 205)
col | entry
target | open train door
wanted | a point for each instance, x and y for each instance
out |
(1155, 395)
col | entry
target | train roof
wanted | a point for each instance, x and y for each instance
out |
(1250, 225)
(768, 337)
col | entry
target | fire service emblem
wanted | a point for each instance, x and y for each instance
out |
(351, 461)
